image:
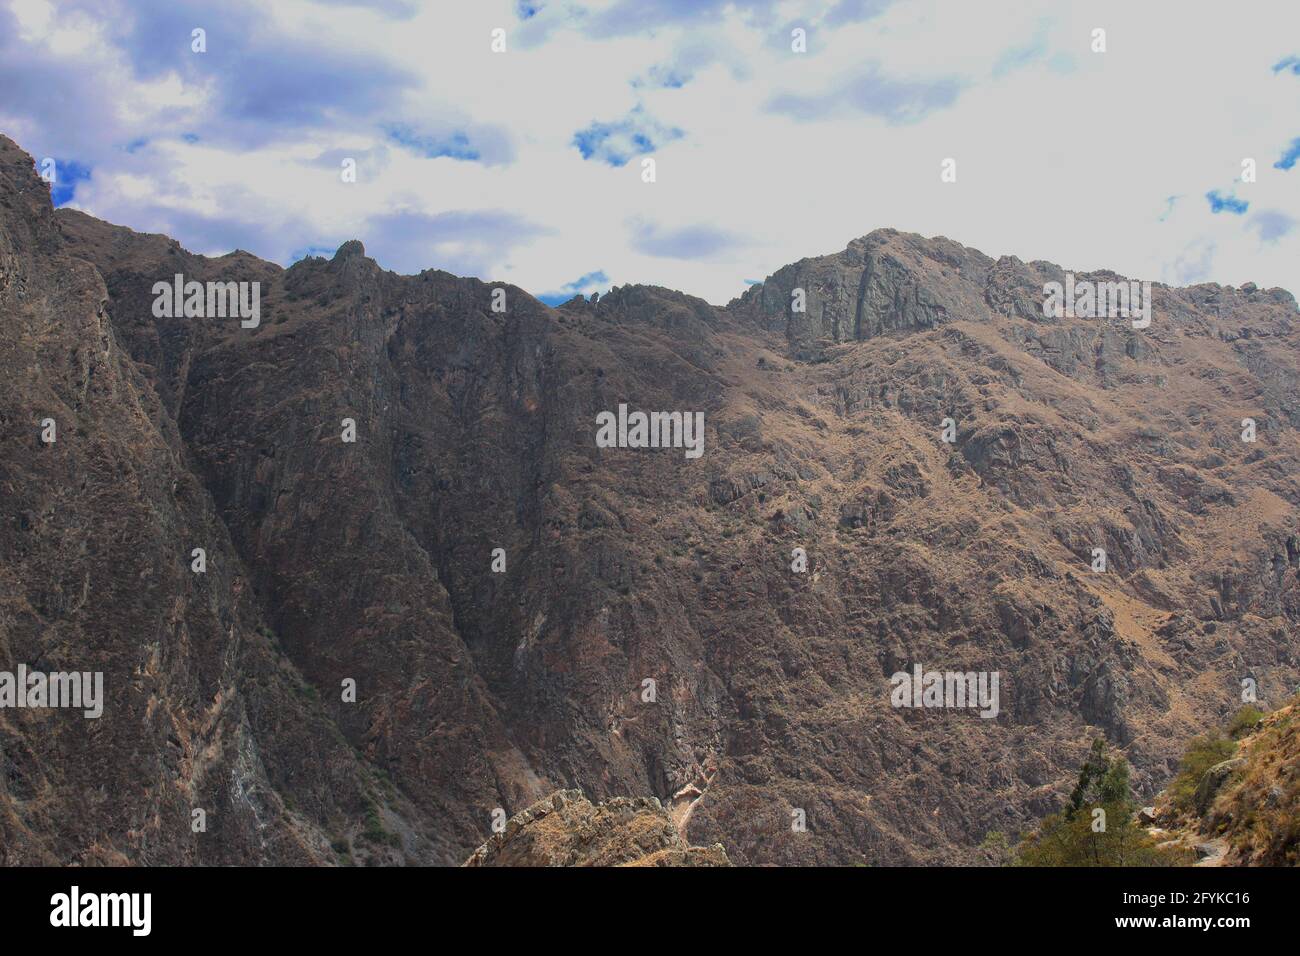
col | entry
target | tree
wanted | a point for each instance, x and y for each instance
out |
(1097, 827)
(1101, 781)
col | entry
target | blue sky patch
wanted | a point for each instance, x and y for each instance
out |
(1290, 156)
(67, 173)
(455, 144)
(616, 143)
(1229, 203)
(1291, 63)
(578, 286)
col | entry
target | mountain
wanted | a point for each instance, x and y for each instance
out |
(647, 636)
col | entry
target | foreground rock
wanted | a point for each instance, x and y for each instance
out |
(566, 829)
(1214, 779)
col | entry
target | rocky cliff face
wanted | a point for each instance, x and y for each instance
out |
(202, 708)
(647, 636)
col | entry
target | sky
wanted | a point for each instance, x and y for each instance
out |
(525, 163)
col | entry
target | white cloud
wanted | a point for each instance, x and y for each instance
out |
(1062, 154)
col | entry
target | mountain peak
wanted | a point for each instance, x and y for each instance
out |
(352, 249)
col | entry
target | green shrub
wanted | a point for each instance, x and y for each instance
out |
(1202, 754)
(1065, 839)
(1244, 721)
(375, 832)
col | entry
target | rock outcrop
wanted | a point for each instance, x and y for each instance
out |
(566, 829)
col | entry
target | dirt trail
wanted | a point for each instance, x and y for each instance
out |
(1218, 848)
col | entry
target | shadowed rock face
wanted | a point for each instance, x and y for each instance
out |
(372, 560)
(202, 709)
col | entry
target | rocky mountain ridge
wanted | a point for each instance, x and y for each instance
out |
(480, 690)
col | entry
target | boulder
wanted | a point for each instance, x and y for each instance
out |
(1212, 780)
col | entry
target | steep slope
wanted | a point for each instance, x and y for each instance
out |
(1246, 807)
(200, 710)
(478, 689)
(1258, 810)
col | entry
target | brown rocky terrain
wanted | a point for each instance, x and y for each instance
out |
(371, 561)
(566, 829)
